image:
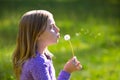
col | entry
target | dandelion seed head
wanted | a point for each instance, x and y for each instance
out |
(67, 37)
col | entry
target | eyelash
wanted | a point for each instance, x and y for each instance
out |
(51, 26)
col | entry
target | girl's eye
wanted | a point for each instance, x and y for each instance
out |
(51, 26)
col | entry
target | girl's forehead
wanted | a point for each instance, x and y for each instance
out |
(51, 20)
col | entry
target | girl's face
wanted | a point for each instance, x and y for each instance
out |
(51, 34)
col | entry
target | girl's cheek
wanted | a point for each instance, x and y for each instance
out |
(52, 30)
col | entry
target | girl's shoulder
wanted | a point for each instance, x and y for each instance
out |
(37, 60)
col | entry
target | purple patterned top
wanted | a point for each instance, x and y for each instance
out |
(41, 68)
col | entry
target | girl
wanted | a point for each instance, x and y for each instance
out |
(31, 58)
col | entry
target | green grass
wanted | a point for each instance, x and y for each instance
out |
(96, 46)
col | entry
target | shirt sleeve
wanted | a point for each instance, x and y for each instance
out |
(40, 71)
(64, 75)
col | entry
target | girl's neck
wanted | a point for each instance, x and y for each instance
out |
(41, 48)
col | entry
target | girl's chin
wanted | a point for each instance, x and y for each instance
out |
(54, 42)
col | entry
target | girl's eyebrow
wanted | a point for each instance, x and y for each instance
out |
(52, 24)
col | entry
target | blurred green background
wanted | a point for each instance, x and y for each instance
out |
(94, 26)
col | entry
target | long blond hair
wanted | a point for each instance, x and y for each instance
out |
(32, 24)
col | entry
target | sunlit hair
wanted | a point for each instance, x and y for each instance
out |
(31, 26)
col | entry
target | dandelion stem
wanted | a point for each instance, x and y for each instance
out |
(71, 47)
